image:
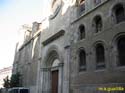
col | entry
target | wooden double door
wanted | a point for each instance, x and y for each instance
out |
(55, 81)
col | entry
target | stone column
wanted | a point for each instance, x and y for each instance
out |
(66, 76)
(45, 80)
(40, 81)
(60, 80)
(38, 87)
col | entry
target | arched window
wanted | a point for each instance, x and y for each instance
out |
(97, 24)
(81, 32)
(55, 63)
(81, 6)
(81, 1)
(121, 51)
(119, 13)
(82, 60)
(100, 56)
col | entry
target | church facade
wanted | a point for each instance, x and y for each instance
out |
(79, 48)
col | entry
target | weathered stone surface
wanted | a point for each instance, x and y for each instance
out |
(35, 58)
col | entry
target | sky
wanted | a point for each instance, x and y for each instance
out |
(14, 14)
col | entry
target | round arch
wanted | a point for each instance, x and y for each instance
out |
(52, 53)
(112, 10)
(115, 50)
(52, 69)
(97, 62)
(102, 42)
(116, 38)
(97, 19)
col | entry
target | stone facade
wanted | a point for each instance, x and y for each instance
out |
(94, 26)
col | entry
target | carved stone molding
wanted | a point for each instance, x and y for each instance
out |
(53, 37)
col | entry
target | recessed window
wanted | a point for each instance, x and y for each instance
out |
(54, 1)
(82, 60)
(121, 51)
(100, 56)
(81, 32)
(97, 24)
(81, 6)
(81, 2)
(97, 2)
(119, 13)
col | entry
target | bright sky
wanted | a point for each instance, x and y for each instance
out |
(13, 14)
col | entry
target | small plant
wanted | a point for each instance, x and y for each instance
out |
(6, 82)
(15, 80)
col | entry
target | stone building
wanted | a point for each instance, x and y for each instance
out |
(79, 48)
(4, 73)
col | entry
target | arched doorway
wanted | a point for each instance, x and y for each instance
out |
(55, 76)
(51, 73)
